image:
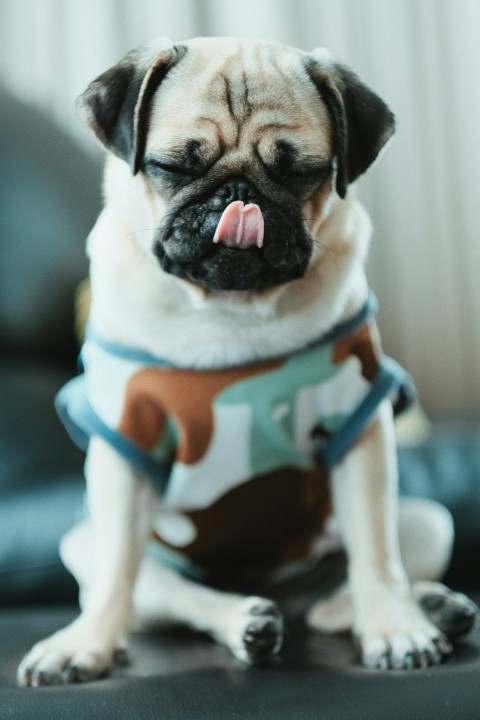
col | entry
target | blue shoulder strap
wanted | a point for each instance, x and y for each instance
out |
(391, 381)
(82, 422)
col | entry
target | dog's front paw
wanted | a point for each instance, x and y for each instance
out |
(255, 630)
(403, 651)
(396, 635)
(74, 654)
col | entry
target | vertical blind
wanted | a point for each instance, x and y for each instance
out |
(421, 56)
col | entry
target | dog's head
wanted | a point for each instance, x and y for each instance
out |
(241, 144)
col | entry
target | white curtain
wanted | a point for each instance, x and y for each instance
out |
(422, 56)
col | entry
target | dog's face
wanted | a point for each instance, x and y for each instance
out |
(241, 145)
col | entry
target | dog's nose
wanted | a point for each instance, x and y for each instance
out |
(237, 189)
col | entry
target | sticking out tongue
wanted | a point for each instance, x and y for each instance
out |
(241, 226)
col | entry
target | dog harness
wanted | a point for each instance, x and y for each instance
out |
(240, 454)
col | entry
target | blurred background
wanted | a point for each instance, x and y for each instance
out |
(421, 56)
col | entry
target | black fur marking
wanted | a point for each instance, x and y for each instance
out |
(229, 97)
(154, 81)
(246, 101)
(108, 104)
(362, 121)
(300, 175)
(185, 248)
(286, 157)
(237, 97)
(340, 135)
(107, 99)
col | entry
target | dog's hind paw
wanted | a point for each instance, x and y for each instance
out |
(454, 614)
(255, 634)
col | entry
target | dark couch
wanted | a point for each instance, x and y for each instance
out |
(50, 198)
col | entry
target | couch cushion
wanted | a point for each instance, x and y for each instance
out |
(446, 468)
(182, 676)
(49, 201)
(41, 483)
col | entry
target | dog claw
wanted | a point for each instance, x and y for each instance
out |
(120, 657)
(74, 674)
(444, 646)
(71, 675)
(383, 662)
(24, 678)
(39, 679)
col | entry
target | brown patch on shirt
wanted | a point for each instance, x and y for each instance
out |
(155, 393)
(363, 344)
(259, 525)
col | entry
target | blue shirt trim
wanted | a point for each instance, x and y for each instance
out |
(82, 423)
(387, 382)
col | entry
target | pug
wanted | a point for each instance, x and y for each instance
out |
(235, 404)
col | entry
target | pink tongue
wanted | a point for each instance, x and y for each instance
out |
(241, 226)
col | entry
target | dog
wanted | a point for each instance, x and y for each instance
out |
(235, 402)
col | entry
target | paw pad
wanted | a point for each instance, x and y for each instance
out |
(263, 633)
(261, 639)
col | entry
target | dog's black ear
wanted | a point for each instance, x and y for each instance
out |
(362, 121)
(116, 106)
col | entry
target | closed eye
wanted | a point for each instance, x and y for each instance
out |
(288, 163)
(314, 172)
(156, 166)
(301, 180)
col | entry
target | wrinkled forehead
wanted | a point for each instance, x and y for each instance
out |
(228, 95)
